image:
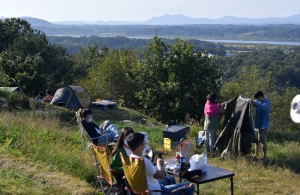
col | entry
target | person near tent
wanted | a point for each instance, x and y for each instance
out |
(94, 130)
(213, 112)
(121, 146)
(48, 98)
(262, 110)
(40, 96)
(155, 176)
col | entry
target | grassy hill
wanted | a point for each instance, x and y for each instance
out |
(41, 153)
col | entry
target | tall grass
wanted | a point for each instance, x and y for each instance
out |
(45, 139)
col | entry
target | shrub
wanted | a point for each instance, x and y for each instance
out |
(15, 100)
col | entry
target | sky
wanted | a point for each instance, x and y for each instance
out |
(141, 10)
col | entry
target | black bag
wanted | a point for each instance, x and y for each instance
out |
(175, 132)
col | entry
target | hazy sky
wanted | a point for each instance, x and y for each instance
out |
(140, 10)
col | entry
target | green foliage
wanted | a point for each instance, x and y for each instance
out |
(27, 61)
(249, 80)
(174, 80)
(112, 77)
(246, 82)
(74, 45)
(15, 100)
(279, 32)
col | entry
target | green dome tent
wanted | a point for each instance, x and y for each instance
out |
(70, 96)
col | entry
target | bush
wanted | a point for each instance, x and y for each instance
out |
(279, 136)
(15, 100)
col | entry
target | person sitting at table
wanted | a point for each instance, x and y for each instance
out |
(94, 130)
(155, 177)
(121, 146)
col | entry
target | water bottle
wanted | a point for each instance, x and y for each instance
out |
(182, 161)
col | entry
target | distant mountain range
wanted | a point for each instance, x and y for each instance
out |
(175, 20)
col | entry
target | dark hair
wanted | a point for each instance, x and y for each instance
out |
(41, 93)
(85, 112)
(212, 97)
(124, 132)
(258, 94)
(134, 140)
(48, 91)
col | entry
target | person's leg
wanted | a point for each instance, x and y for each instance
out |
(102, 139)
(257, 148)
(263, 140)
(212, 141)
(111, 137)
(170, 188)
(265, 148)
(163, 181)
(206, 142)
(112, 129)
(167, 180)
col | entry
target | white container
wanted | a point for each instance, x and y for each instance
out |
(200, 133)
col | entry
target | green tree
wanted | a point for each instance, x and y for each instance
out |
(28, 61)
(247, 81)
(112, 78)
(173, 81)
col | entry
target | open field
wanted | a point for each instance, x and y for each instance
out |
(42, 154)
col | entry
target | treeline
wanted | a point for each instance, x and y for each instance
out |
(72, 44)
(166, 80)
(283, 66)
(282, 32)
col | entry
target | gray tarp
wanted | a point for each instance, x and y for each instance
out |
(238, 132)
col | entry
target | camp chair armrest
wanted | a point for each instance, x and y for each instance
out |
(96, 137)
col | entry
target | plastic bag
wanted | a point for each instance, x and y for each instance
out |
(198, 161)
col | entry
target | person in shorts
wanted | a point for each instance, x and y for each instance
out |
(262, 110)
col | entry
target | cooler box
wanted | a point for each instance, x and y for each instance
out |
(175, 132)
(170, 144)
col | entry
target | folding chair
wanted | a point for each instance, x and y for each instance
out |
(102, 159)
(84, 134)
(135, 177)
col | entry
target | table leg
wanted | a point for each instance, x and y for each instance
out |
(198, 191)
(231, 179)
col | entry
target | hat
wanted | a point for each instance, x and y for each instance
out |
(295, 109)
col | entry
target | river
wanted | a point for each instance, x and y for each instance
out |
(252, 42)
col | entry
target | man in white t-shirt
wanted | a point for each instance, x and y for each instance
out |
(154, 174)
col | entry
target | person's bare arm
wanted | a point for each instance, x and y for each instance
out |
(159, 174)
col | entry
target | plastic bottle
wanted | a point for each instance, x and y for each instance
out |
(182, 161)
(177, 158)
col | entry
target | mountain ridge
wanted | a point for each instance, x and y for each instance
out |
(177, 19)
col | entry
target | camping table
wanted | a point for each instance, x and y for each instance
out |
(104, 104)
(212, 174)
